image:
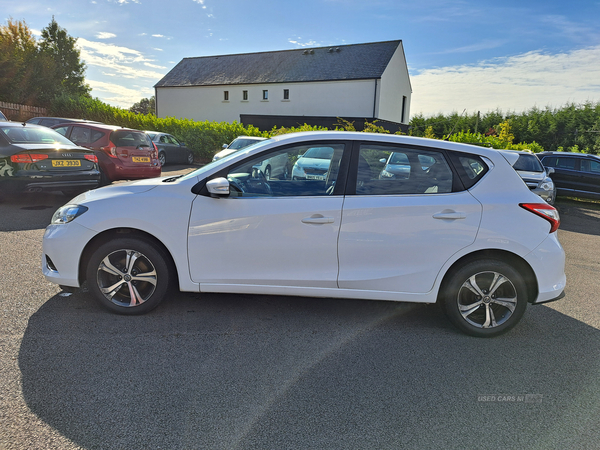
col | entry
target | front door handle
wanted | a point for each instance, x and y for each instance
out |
(449, 214)
(318, 219)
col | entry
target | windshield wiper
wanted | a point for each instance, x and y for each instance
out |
(171, 179)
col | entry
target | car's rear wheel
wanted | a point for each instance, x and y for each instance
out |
(128, 276)
(162, 158)
(485, 298)
(190, 158)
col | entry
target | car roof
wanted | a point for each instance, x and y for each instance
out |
(575, 154)
(98, 126)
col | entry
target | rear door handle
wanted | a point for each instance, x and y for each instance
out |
(452, 215)
(318, 219)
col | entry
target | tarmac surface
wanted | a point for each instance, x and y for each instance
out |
(221, 371)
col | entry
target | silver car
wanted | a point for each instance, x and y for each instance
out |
(531, 170)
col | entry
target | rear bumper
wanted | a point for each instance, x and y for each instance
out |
(54, 182)
(548, 263)
(114, 169)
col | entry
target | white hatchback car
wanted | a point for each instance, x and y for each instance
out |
(442, 233)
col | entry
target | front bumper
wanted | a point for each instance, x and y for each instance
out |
(63, 246)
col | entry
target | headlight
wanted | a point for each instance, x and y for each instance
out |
(385, 174)
(67, 213)
(547, 185)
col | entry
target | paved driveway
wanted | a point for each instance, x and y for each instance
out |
(259, 372)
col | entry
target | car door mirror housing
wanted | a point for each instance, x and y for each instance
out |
(218, 187)
(549, 170)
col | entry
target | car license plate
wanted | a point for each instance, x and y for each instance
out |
(140, 159)
(315, 177)
(66, 163)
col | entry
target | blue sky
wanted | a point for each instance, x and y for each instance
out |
(462, 55)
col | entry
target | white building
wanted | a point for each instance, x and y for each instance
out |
(291, 87)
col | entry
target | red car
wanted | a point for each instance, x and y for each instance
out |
(123, 153)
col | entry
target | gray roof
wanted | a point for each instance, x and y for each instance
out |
(343, 62)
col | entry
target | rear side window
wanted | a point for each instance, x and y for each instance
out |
(588, 165)
(470, 168)
(129, 138)
(388, 170)
(560, 162)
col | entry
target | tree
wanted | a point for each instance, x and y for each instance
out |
(18, 52)
(144, 106)
(67, 76)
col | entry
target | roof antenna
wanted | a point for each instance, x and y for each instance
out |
(455, 123)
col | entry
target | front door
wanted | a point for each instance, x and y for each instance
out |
(276, 232)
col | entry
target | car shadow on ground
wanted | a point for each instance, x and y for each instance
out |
(579, 217)
(248, 371)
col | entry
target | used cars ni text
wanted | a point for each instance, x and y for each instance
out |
(123, 153)
(441, 233)
(34, 158)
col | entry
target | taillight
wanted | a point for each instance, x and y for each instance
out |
(91, 158)
(155, 153)
(25, 158)
(110, 150)
(545, 211)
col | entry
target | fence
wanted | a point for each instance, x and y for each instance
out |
(16, 112)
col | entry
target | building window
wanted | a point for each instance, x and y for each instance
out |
(226, 96)
(244, 95)
(286, 94)
(403, 109)
(265, 95)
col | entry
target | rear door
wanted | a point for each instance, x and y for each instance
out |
(566, 176)
(590, 175)
(400, 227)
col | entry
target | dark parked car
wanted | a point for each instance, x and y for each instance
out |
(575, 174)
(123, 153)
(34, 158)
(170, 150)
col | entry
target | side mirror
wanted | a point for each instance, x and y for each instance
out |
(182, 144)
(549, 170)
(224, 146)
(382, 160)
(218, 187)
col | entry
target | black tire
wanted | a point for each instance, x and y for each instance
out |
(119, 264)
(162, 158)
(485, 297)
(190, 158)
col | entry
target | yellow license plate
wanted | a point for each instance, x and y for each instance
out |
(140, 159)
(66, 163)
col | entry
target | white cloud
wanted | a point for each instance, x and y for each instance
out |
(158, 35)
(297, 42)
(514, 83)
(118, 95)
(105, 35)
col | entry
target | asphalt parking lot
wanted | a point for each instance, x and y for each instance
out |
(224, 371)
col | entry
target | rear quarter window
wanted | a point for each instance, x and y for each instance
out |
(470, 168)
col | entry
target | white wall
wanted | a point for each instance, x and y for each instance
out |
(394, 84)
(331, 98)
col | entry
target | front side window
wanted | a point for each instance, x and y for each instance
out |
(389, 170)
(590, 166)
(560, 162)
(301, 170)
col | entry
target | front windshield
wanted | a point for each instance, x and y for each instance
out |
(319, 153)
(202, 170)
(528, 163)
(240, 143)
(33, 135)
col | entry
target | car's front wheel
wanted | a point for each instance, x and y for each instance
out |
(485, 298)
(128, 275)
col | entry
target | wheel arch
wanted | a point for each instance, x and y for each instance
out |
(113, 233)
(512, 259)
